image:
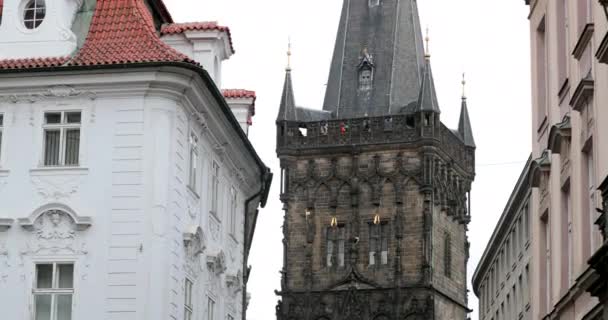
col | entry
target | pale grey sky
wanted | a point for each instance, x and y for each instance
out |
(487, 39)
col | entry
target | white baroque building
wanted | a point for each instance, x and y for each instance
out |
(128, 187)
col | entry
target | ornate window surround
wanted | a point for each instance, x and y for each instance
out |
(82, 222)
(6, 223)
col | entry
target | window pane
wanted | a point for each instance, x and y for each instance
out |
(51, 147)
(43, 307)
(73, 117)
(1, 120)
(0, 144)
(52, 117)
(66, 276)
(72, 146)
(63, 307)
(44, 276)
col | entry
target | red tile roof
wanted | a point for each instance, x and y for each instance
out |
(121, 31)
(176, 28)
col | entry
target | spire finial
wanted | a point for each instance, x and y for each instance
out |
(288, 55)
(464, 83)
(427, 39)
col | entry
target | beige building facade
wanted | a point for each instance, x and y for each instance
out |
(569, 41)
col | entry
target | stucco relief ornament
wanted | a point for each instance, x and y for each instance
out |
(56, 187)
(194, 245)
(55, 232)
(192, 206)
(214, 228)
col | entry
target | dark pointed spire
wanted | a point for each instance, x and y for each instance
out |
(287, 109)
(464, 125)
(388, 32)
(427, 101)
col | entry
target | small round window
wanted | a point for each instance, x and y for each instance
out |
(34, 13)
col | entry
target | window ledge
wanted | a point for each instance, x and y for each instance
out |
(5, 223)
(583, 91)
(44, 171)
(4, 173)
(602, 51)
(193, 193)
(583, 41)
(564, 90)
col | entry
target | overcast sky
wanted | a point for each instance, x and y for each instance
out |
(489, 40)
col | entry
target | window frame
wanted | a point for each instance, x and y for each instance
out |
(188, 305)
(215, 184)
(35, 21)
(194, 162)
(233, 210)
(336, 236)
(379, 233)
(1, 131)
(54, 291)
(63, 126)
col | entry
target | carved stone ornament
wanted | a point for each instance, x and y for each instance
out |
(194, 245)
(55, 230)
(50, 93)
(217, 263)
(57, 187)
(234, 284)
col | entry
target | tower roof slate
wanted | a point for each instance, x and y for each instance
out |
(389, 34)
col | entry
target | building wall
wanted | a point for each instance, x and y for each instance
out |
(133, 256)
(501, 281)
(563, 199)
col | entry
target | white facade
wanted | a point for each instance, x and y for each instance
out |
(52, 38)
(136, 232)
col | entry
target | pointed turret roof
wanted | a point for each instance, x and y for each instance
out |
(464, 125)
(386, 32)
(427, 100)
(287, 110)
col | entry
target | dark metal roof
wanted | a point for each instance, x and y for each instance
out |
(389, 36)
(464, 125)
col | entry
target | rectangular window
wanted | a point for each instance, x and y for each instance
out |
(562, 41)
(53, 291)
(210, 309)
(61, 138)
(215, 182)
(527, 286)
(541, 73)
(595, 239)
(283, 180)
(546, 249)
(378, 243)
(335, 245)
(193, 172)
(527, 222)
(233, 204)
(447, 255)
(567, 240)
(1, 127)
(188, 300)
(584, 14)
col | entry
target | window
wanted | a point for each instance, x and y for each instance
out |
(233, 211)
(365, 78)
(335, 245)
(374, 3)
(34, 13)
(447, 256)
(210, 309)
(1, 115)
(61, 138)
(545, 237)
(215, 181)
(53, 291)
(193, 162)
(589, 191)
(284, 181)
(562, 41)
(541, 73)
(567, 238)
(378, 243)
(188, 300)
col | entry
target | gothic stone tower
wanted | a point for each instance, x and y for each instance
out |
(375, 188)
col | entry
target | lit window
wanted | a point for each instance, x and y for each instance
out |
(1, 115)
(210, 309)
(335, 245)
(188, 300)
(215, 181)
(233, 211)
(365, 78)
(53, 291)
(193, 162)
(61, 138)
(378, 243)
(34, 13)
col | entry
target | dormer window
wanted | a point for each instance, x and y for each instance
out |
(34, 13)
(365, 78)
